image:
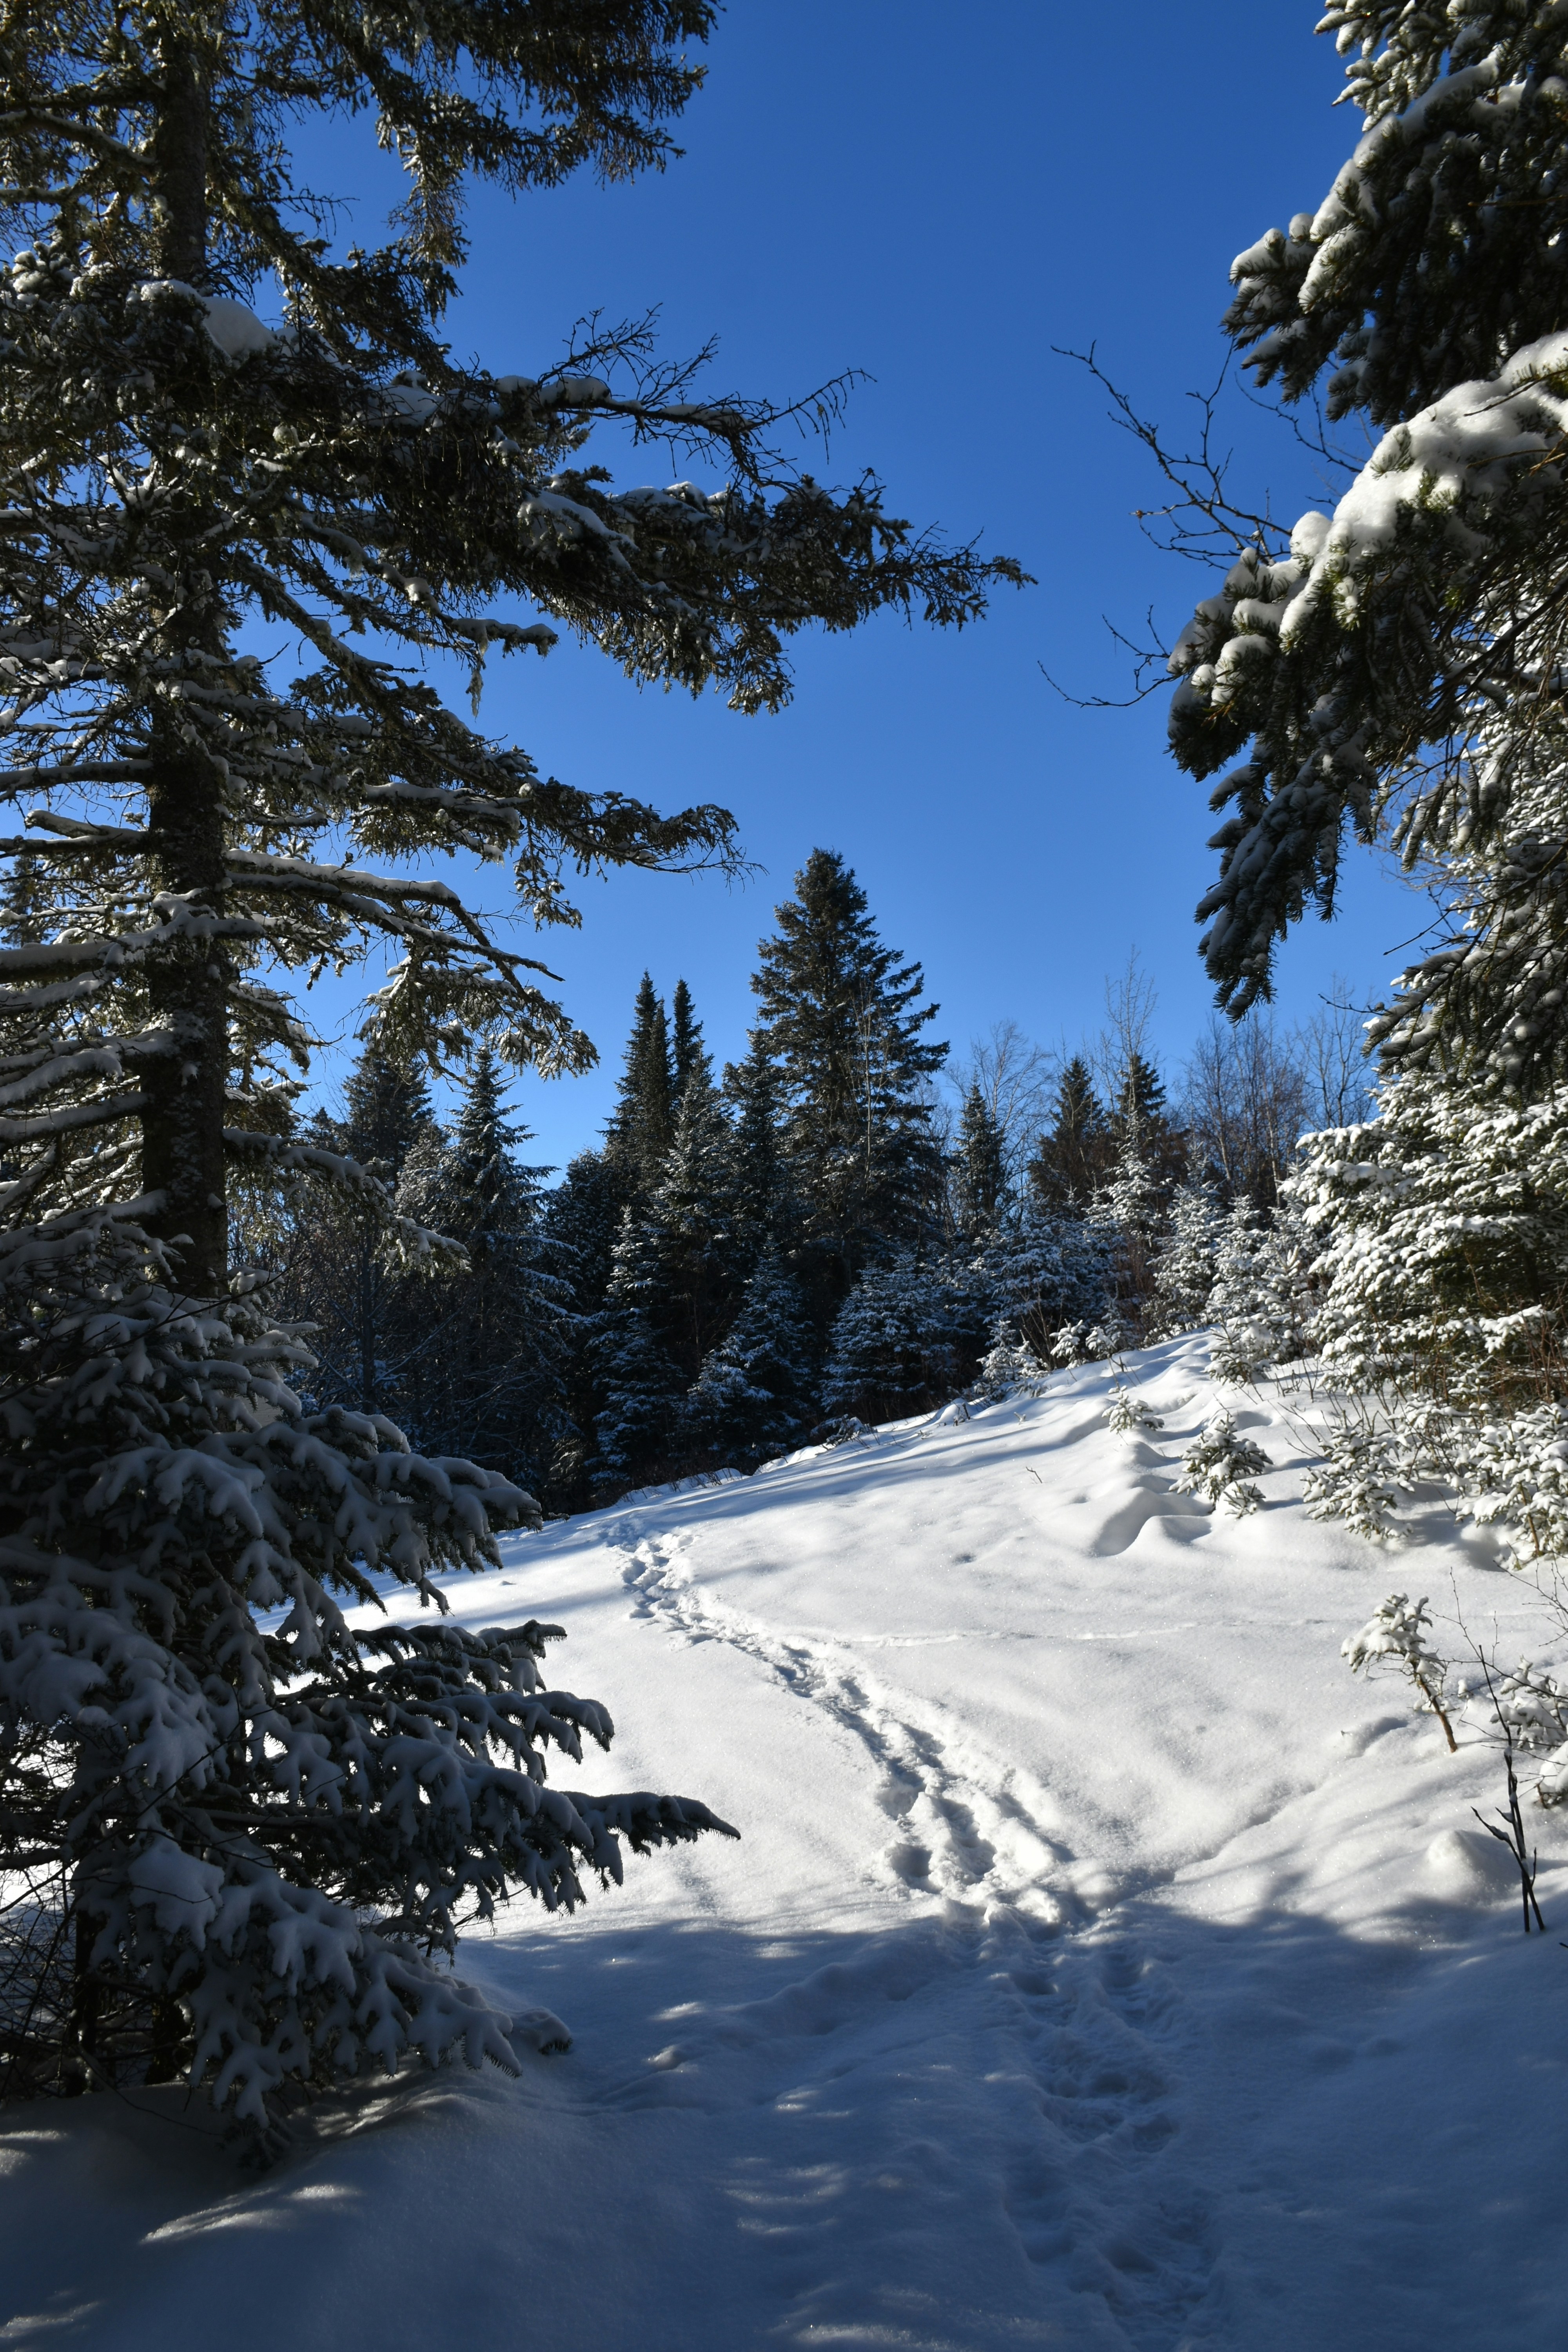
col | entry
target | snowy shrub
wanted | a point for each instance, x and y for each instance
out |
(1069, 1345)
(1396, 1635)
(1358, 1480)
(1009, 1363)
(1219, 1464)
(1126, 1413)
(1105, 1340)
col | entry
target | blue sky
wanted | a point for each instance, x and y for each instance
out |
(938, 200)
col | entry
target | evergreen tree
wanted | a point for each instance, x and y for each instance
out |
(582, 1221)
(1183, 1265)
(488, 1381)
(178, 475)
(688, 1056)
(1394, 668)
(842, 1017)
(1074, 1156)
(981, 1171)
(638, 1390)
(1131, 1208)
(893, 1348)
(756, 1393)
(683, 1238)
(763, 1204)
(644, 1117)
(345, 1269)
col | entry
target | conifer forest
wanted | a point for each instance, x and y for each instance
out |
(1024, 1880)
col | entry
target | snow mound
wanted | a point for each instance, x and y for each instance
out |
(1102, 1966)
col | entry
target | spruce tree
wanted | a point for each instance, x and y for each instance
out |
(982, 1168)
(756, 1392)
(643, 1120)
(1075, 1154)
(486, 1382)
(893, 1348)
(841, 1021)
(764, 1206)
(185, 486)
(345, 1271)
(1392, 668)
(688, 1054)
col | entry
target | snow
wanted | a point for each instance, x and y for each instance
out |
(1103, 1964)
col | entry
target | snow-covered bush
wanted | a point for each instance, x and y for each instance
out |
(1396, 1635)
(1008, 1363)
(1126, 1413)
(1359, 1480)
(1219, 1464)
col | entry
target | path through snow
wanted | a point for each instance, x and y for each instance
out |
(1101, 1968)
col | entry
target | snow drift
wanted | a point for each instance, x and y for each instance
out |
(1101, 1965)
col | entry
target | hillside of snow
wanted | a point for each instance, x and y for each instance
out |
(1100, 1966)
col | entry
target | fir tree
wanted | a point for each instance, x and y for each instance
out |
(1074, 1156)
(344, 1270)
(487, 1382)
(981, 1171)
(892, 1348)
(1392, 667)
(688, 1056)
(179, 477)
(756, 1393)
(1183, 1265)
(637, 1388)
(681, 1242)
(764, 1206)
(643, 1120)
(842, 1017)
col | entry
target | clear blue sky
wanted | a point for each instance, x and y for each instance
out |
(937, 197)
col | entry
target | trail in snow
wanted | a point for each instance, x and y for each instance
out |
(1101, 1968)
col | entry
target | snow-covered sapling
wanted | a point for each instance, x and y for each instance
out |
(1397, 1633)
(1220, 1464)
(1358, 1481)
(1126, 1413)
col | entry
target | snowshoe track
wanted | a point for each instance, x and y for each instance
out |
(1093, 2187)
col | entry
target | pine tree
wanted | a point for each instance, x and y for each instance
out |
(764, 1206)
(344, 1269)
(981, 1171)
(1392, 666)
(756, 1393)
(582, 1223)
(644, 1117)
(892, 1348)
(181, 479)
(842, 1017)
(688, 1057)
(488, 1381)
(1074, 1156)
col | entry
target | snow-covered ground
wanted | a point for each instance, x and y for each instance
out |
(1100, 1965)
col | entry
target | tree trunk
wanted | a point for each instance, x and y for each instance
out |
(182, 1129)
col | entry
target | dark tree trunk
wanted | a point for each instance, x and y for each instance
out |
(182, 1129)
